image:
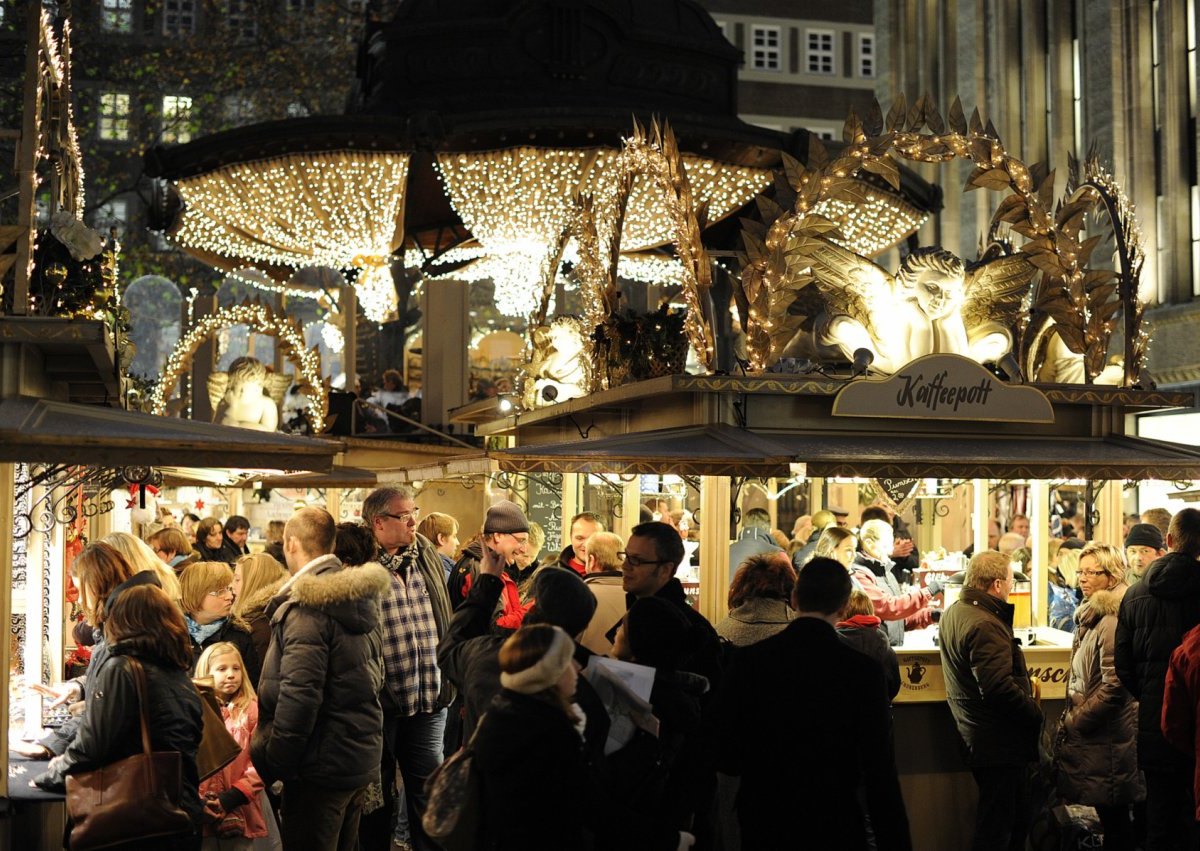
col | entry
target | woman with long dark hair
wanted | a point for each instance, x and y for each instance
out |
(144, 625)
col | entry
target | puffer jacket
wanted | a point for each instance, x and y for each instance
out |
(1155, 614)
(1180, 701)
(897, 610)
(111, 729)
(754, 620)
(320, 718)
(987, 683)
(1096, 746)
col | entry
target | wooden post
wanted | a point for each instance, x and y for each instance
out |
(714, 546)
(1039, 530)
(631, 507)
(980, 513)
(7, 497)
(348, 305)
(27, 160)
(570, 503)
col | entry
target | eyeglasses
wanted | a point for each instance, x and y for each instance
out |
(634, 561)
(227, 591)
(403, 516)
(1092, 573)
(522, 540)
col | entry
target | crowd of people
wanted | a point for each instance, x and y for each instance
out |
(351, 662)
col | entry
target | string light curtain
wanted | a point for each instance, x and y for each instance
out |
(340, 209)
(516, 201)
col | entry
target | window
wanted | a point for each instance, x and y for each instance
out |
(866, 55)
(240, 20)
(766, 53)
(116, 16)
(176, 119)
(179, 17)
(820, 51)
(114, 117)
(113, 214)
(239, 109)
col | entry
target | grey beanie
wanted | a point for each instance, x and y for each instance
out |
(505, 516)
(1144, 535)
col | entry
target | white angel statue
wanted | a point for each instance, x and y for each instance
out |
(934, 304)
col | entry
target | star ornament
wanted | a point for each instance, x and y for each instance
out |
(199, 505)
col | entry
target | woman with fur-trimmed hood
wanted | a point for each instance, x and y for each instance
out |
(207, 597)
(1096, 750)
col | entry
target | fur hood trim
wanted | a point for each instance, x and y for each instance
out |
(336, 587)
(1101, 604)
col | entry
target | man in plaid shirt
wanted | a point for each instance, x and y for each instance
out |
(415, 614)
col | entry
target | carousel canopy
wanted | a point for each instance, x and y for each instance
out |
(476, 124)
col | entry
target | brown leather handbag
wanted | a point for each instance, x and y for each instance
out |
(217, 747)
(131, 799)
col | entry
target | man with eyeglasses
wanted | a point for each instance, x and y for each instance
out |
(648, 564)
(505, 534)
(415, 615)
(991, 699)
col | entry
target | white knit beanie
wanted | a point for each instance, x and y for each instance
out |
(546, 671)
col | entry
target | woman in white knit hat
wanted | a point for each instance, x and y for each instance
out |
(529, 750)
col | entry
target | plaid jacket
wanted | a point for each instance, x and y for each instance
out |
(410, 635)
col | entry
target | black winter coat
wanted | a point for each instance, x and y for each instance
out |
(1155, 613)
(873, 641)
(111, 729)
(528, 750)
(319, 716)
(237, 632)
(703, 655)
(801, 790)
(987, 683)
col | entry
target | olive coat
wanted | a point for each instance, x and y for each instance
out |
(1096, 745)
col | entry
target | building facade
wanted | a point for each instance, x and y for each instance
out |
(805, 64)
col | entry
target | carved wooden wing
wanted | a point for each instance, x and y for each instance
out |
(996, 289)
(852, 285)
(277, 386)
(217, 383)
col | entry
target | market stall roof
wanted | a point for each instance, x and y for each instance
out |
(66, 433)
(724, 450)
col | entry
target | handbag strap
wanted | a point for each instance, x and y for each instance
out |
(139, 683)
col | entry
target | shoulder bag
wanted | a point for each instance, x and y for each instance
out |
(455, 792)
(217, 747)
(131, 799)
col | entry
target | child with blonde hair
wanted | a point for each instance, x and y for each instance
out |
(233, 796)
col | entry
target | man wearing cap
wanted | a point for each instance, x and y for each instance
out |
(415, 614)
(1143, 545)
(506, 534)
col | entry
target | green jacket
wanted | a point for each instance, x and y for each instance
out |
(987, 683)
(430, 565)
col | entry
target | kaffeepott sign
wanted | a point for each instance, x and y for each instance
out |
(943, 387)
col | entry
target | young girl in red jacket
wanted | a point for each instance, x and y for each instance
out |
(233, 796)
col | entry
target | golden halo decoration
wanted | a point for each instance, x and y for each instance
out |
(261, 318)
(1067, 296)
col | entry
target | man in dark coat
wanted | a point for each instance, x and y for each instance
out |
(800, 789)
(233, 539)
(320, 724)
(755, 538)
(1155, 614)
(991, 699)
(574, 555)
(652, 554)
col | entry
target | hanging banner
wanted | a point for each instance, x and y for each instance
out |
(943, 387)
(899, 492)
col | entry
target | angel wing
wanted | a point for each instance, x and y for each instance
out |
(851, 284)
(996, 289)
(217, 383)
(277, 386)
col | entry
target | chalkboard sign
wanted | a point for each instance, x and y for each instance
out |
(545, 509)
